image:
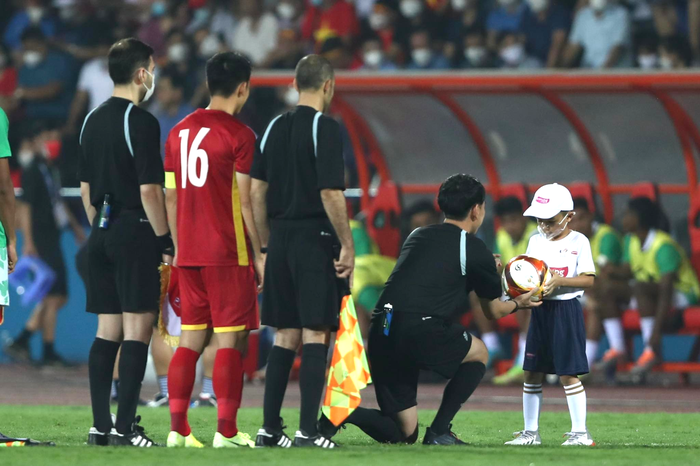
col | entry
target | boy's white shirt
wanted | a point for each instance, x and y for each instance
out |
(568, 257)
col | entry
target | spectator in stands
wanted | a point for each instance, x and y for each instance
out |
(602, 33)
(415, 16)
(664, 278)
(512, 55)
(467, 17)
(337, 53)
(673, 18)
(609, 294)
(475, 54)
(382, 23)
(46, 82)
(33, 14)
(181, 59)
(674, 53)
(330, 18)
(419, 214)
(373, 56)
(8, 81)
(256, 32)
(423, 55)
(42, 215)
(154, 31)
(507, 17)
(94, 87)
(170, 106)
(288, 52)
(545, 26)
(647, 56)
(222, 23)
(290, 14)
(80, 30)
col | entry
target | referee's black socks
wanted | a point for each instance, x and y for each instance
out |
(312, 376)
(103, 353)
(457, 391)
(382, 428)
(132, 367)
(279, 364)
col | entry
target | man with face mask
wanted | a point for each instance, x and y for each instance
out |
(301, 217)
(45, 80)
(33, 14)
(423, 56)
(512, 55)
(600, 36)
(506, 18)
(374, 58)
(476, 55)
(121, 176)
(545, 25)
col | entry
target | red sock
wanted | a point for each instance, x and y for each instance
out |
(181, 375)
(228, 387)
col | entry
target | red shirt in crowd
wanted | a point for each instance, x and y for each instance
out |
(339, 20)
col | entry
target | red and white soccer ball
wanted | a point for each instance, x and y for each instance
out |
(522, 274)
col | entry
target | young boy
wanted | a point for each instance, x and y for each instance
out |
(556, 340)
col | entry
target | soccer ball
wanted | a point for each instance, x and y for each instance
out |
(522, 274)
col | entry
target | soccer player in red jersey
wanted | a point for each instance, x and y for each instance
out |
(208, 156)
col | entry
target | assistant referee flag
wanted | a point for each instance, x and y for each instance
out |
(349, 369)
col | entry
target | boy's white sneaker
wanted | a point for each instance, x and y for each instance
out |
(526, 437)
(579, 438)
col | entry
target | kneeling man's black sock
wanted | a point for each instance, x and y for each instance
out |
(457, 391)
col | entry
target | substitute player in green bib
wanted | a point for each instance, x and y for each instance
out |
(609, 294)
(8, 241)
(664, 277)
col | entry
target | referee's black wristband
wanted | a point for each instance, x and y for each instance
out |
(263, 250)
(166, 244)
(517, 307)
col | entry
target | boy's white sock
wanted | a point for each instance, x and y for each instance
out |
(532, 401)
(576, 399)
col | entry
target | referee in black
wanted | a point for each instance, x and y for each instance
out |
(301, 216)
(121, 177)
(412, 327)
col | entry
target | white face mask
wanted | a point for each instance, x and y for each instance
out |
(24, 158)
(475, 55)
(554, 231)
(598, 5)
(411, 8)
(378, 21)
(35, 14)
(209, 47)
(177, 53)
(421, 57)
(513, 54)
(459, 5)
(291, 97)
(648, 61)
(286, 11)
(666, 63)
(538, 5)
(373, 58)
(32, 58)
(506, 3)
(149, 90)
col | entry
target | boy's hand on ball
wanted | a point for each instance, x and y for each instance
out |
(552, 284)
(525, 301)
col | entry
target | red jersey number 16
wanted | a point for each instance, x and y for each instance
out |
(189, 158)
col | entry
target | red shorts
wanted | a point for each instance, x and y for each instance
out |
(222, 297)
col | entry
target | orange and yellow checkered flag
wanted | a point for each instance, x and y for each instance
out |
(349, 369)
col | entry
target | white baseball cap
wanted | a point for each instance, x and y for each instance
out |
(549, 200)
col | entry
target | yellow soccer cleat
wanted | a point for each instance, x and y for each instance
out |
(177, 440)
(240, 440)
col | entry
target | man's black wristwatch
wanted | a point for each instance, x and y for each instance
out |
(166, 244)
(517, 307)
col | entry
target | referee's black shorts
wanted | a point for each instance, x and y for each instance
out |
(122, 265)
(415, 342)
(301, 289)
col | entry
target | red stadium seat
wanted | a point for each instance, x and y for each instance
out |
(646, 189)
(694, 230)
(585, 191)
(383, 219)
(630, 320)
(518, 190)
(691, 318)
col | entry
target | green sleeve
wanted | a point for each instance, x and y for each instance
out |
(668, 259)
(611, 248)
(4, 129)
(363, 243)
(626, 250)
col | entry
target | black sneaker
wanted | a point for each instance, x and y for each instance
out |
(431, 438)
(317, 441)
(159, 401)
(54, 360)
(97, 438)
(19, 352)
(136, 438)
(327, 428)
(268, 438)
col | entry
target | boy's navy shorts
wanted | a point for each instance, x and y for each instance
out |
(556, 340)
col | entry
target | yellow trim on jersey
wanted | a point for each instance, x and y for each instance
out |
(170, 182)
(241, 246)
(195, 327)
(237, 328)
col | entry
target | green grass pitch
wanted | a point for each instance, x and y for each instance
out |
(622, 439)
